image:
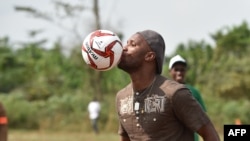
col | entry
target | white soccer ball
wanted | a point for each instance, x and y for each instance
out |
(102, 50)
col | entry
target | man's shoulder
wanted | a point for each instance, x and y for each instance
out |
(170, 86)
(125, 90)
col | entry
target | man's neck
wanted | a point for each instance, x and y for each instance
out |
(141, 82)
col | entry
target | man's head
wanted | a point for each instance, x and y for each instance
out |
(178, 68)
(144, 47)
(157, 45)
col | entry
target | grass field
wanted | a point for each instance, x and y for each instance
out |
(60, 136)
(63, 136)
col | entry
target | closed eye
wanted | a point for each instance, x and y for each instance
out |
(131, 43)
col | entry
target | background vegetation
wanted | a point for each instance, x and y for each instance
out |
(48, 89)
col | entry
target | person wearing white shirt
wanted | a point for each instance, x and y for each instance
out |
(94, 108)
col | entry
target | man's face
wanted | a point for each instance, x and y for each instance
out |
(178, 72)
(133, 54)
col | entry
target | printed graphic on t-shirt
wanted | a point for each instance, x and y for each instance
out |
(126, 105)
(152, 104)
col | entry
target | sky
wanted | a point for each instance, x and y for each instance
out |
(178, 21)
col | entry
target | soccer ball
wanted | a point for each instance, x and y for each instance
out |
(102, 50)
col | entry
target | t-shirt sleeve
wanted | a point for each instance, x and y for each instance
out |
(121, 131)
(188, 110)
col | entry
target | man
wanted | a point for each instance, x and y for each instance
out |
(152, 107)
(177, 69)
(3, 123)
(94, 108)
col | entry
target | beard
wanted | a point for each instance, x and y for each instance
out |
(129, 65)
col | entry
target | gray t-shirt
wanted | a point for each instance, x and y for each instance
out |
(167, 112)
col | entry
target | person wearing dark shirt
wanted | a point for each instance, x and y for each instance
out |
(152, 107)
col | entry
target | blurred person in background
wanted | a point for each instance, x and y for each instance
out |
(94, 108)
(178, 68)
(3, 123)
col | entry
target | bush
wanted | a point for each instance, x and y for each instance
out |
(21, 113)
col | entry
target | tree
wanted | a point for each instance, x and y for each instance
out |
(232, 41)
(230, 70)
(9, 67)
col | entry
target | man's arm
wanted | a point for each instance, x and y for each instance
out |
(123, 138)
(3, 124)
(208, 132)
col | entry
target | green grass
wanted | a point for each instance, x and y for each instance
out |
(63, 136)
(59, 136)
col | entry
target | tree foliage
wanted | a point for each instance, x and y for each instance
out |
(232, 40)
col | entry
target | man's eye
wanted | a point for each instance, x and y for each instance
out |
(133, 44)
(178, 69)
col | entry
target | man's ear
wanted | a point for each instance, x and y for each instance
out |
(150, 56)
